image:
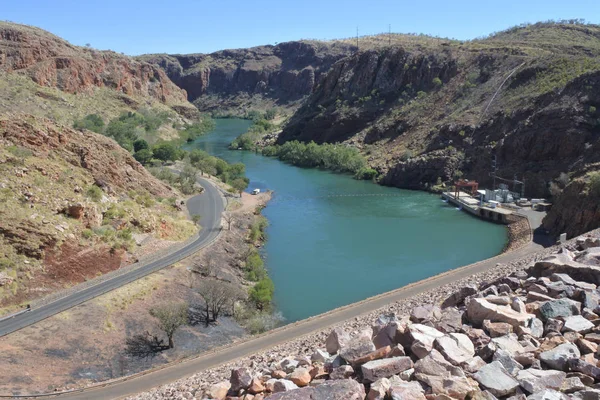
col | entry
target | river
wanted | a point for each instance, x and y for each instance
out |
(333, 240)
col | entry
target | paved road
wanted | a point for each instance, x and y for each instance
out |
(209, 205)
(186, 368)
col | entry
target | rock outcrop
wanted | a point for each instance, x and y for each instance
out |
(51, 61)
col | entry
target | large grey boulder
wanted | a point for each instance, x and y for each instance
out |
(567, 280)
(509, 343)
(283, 385)
(577, 323)
(559, 308)
(508, 362)
(558, 357)
(356, 348)
(496, 379)
(377, 369)
(346, 389)
(435, 364)
(563, 263)
(535, 380)
(455, 387)
(479, 310)
(379, 389)
(456, 347)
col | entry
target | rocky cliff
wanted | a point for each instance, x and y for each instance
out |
(251, 78)
(52, 62)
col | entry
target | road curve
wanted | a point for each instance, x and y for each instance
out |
(151, 379)
(209, 205)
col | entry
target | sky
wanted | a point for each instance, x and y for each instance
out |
(196, 26)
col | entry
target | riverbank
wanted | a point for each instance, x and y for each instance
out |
(305, 345)
(85, 344)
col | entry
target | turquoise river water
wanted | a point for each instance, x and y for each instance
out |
(326, 248)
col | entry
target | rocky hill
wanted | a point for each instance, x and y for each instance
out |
(259, 77)
(424, 114)
(72, 201)
(45, 75)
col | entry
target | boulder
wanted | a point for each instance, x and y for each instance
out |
(342, 372)
(472, 365)
(218, 391)
(379, 389)
(591, 299)
(428, 312)
(509, 343)
(548, 394)
(518, 305)
(453, 387)
(577, 323)
(494, 377)
(434, 364)
(240, 379)
(406, 390)
(586, 347)
(422, 337)
(374, 370)
(346, 389)
(319, 356)
(356, 348)
(559, 308)
(510, 365)
(536, 327)
(336, 339)
(572, 384)
(301, 377)
(458, 297)
(553, 325)
(283, 385)
(558, 357)
(495, 329)
(455, 347)
(535, 380)
(256, 386)
(451, 321)
(567, 280)
(375, 355)
(480, 309)
(577, 365)
(563, 263)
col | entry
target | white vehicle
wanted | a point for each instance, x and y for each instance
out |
(255, 191)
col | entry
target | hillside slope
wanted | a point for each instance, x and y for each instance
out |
(70, 203)
(45, 75)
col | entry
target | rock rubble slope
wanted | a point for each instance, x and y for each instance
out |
(530, 334)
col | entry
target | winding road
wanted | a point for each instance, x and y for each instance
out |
(209, 205)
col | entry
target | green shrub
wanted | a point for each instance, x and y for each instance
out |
(19, 151)
(437, 82)
(366, 173)
(592, 110)
(166, 152)
(143, 156)
(196, 218)
(87, 233)
(140, 144)
(94, 193)
(92, 122)
(595, 183)
(261, 294)
(406, 155)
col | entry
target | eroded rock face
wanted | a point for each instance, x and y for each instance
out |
(51, 61)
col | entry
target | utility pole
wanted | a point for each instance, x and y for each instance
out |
(494, 172)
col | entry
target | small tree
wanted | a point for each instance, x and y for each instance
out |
(140, 144)
(143, 156)
(170, 317)
(217, 296)
(262, 293)
(229, 219)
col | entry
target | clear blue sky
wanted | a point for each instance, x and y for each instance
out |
(199, 26)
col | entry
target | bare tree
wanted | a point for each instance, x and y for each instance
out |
(144, 345)
(170, 317)
(229, 218)
(218, 297)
